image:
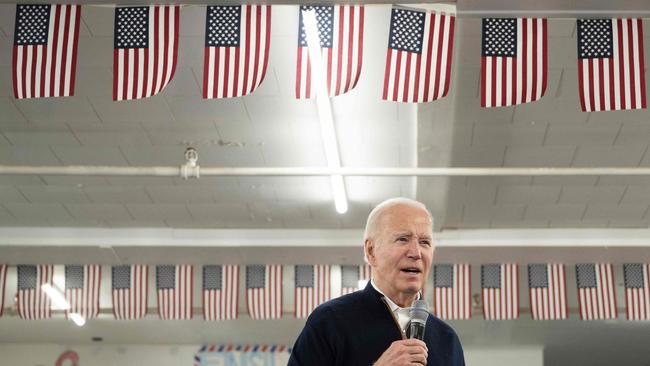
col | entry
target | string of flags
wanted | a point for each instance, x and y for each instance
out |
(514, 54)
(452, 297)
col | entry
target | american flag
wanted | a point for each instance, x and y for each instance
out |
(547, 291)
(351, 276)
(3, 281)
(220, 292)
(452, 291)
(32, 302)
(637, 291)
(264, 291)
(500, 291)
(312, 288)
(596, 296)
(236, 52)
(610, 64)
(146, 49)
(514, 61)
(418, 61)
(340, 31)
(45, 50)
(129, 291)
(174, 285)
(82, 288)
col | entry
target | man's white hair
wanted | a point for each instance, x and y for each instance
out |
(376, 213)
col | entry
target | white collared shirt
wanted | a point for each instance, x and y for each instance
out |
(401, 314)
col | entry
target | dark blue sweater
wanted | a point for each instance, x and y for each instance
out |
(356, 329)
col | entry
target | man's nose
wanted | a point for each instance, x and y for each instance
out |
(414, 250)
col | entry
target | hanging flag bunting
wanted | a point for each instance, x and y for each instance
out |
(452, 291)
(340, 31)
(129, 291)
(500, 291)
(596, 297)
(513, 61)
(45, 50)
(354, 278)
(547, 291)
(264, 291)
(637, 291)
(146, 50)
(3, 281)
(82, 286)
(611, 72)
(418, 61)
(31, 301)
(174, 286)
(220, 292)
(312, 288)
(236, 55)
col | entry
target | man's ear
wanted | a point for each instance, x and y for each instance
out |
(369, 249)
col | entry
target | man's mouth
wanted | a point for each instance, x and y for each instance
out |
(411, 270)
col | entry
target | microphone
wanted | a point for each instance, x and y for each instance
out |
(419, 315)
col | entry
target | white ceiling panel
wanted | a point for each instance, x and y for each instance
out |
(593, 194)
(94, 81)
(528, 134)
(10, 114)
(72, 180)
(27, 155)
(636, 194)
(478, 212)
(9, 194)
(32, 136)
(182, 194)
(99, 20)
(527, 194)
(94, 211)
(555, 211)
(117, 194)
(90, 155)
(43, 211)
(184, 84)
(220, 211)
(571, 134)
(144, 211)
(52, 194)
(479, 156)
(148, 109)
(47, 110)
(633, 212)
(115, 134)
(193, 109)
(539, 156)
(480, 194)
(609, 155)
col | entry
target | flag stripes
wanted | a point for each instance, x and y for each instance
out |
(596, 297)
(418, 73)
(31, 300)
(82, 286)
(637, 291)
(220, 292)
(45, 50)
(235, 68)
(547, 291)
(452, 291)
(146, 49)
(312, 288)
(342, 56)
(500, 291)
(519, 76)
(130, 285)
(264, 291)
(174, 292)
(611, 69)
(3, 282)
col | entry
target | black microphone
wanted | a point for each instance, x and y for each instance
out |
(419, 313)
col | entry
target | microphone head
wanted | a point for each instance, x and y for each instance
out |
(419, 311)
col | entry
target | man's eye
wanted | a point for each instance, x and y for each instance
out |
(402, 238)
(425, 242)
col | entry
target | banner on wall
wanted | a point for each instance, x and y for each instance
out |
(248, 355)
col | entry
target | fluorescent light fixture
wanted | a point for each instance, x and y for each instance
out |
(362, 284)
(78, 319)
(56, 296)
(324, 109)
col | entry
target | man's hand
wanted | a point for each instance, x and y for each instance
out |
(411, 352)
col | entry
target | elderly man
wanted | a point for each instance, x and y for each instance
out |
(368, 327)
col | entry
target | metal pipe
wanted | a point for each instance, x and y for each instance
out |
(171, 171)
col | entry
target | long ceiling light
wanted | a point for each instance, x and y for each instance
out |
(324, 109)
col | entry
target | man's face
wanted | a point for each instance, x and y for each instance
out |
(401, 251)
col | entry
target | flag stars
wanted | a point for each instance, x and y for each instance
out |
(324, 24)
(132, 27)
(33, 24)
(595, 38)
(407, 30)
(223, 26)
(500, 37)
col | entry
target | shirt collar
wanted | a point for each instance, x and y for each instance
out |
(393, 307)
